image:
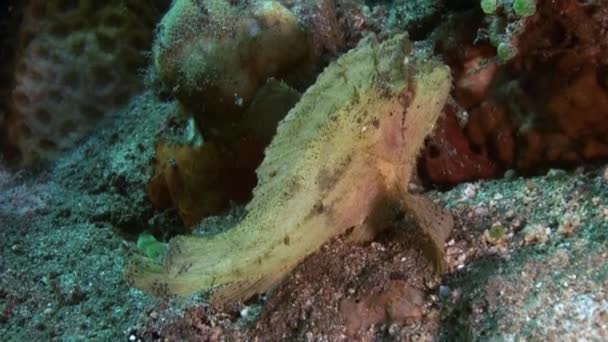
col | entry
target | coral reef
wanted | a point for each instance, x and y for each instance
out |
(76, 62)
(340, 163)
(525, 89)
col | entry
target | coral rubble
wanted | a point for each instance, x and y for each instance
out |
(231, 91)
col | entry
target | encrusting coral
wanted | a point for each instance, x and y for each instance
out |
(76, 62)
(544, 106)
(340, 164)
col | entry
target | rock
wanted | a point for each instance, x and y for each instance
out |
(536, 233)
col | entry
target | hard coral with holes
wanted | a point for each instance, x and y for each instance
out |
(77, 61)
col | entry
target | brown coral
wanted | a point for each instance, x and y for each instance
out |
(202, 181)
(77, 61)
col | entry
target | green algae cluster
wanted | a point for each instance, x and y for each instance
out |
(522, 8)
(150, 247)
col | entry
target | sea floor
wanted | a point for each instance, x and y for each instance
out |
(527, 259)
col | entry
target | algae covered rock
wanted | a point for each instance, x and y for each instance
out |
(339, 164)
(215, 54)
